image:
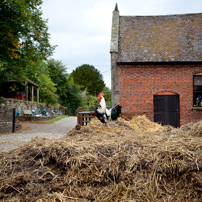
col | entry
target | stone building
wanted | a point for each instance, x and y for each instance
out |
(156, 66)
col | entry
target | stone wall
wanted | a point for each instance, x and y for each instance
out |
(6, 112)
(114, 55)
(6, 118)
(21, 105)
(34, 118)
(36, 108)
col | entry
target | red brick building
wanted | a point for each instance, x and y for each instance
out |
(156, 66)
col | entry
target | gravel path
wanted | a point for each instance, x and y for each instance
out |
(57, 129)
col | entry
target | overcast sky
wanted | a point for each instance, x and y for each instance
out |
(82, 28)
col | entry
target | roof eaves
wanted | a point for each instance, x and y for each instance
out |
(159, 62)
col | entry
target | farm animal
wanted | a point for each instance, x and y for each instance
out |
(104, 114)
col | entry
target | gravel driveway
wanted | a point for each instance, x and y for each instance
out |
(57, 129)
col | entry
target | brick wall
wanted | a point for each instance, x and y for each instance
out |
(6, 118)
(139, 83)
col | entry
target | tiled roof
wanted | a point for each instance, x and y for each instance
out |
(160, 38)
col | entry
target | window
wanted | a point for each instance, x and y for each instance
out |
(197, 90)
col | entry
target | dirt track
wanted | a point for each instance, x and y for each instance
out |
(58, 129)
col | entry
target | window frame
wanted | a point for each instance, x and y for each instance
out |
(195, 96)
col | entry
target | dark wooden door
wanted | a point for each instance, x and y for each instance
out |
(166, 110)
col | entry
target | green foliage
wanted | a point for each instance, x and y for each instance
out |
(74, 97)
(57, 73)
(107, 95)
(3, 77)
(68, 92)
(24, 37)
(71, 80)
(88, 77)
(90, 101)
(24, 46)
(54, 120)
(40, 75)
(47, 90)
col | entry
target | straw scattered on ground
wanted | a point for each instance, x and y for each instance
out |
(135, 160)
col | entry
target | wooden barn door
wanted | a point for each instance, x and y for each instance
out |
(166, 110)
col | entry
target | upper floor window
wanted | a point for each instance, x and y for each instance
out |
(197, 90)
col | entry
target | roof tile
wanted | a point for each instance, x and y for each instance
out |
(160, 38)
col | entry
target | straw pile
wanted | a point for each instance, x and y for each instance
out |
(135, 160)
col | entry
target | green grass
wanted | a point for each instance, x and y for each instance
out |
(55, 119)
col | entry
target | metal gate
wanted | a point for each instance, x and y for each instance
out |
(166, 110)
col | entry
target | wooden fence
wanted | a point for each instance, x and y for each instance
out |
(84, 117)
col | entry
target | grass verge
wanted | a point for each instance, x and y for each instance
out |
(55, 119)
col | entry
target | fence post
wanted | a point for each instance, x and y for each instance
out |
(13, 125)
(79, 121)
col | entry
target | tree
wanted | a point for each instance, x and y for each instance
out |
(90, 101)
(107, 95)
(48, 90)
(24, 46)
(74, 97)
(88, 77)
(24, 37)
(67, 91)
(57, 73)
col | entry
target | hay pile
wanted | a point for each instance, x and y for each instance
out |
(135, 160)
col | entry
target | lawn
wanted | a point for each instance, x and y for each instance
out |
(56, 119)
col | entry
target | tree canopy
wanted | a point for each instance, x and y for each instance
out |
(25, 50)
(67, 91)
(24, 37)
(24, 45)
(87, 76)
(107, 95)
